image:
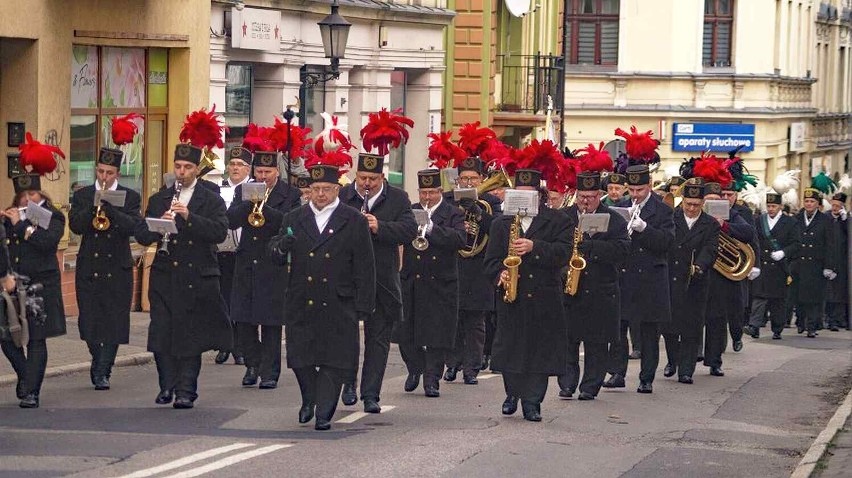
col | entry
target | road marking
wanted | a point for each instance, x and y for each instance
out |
(187, 460)
(231, 460)
(354, 417)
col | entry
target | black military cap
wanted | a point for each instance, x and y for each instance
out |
(303, 182)
(811, 193)
(773, 198)
(638, 175)
(188, 152)
(428, 178)
(27, 182)
(712, 188)
(266, 159)
(471, 163)
(842, 197)
(371, 163)
(692, 191)
(323, 173)
(110, 157)
(238, 153)
(527, 177)
(589, 181)
(614, 178)
(676, 181)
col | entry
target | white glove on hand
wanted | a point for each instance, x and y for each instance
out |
(753, 273)
(843, 214)
(639, 225)
(827, 273)
(777, 255)
(832, 276)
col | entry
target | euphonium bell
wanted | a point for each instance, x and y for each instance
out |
(734, 258)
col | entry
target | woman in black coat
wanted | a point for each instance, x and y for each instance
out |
(32, 252)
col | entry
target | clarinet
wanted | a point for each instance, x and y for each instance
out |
(164, 244)
(365, 206)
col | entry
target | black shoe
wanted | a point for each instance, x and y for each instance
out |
(19, 390)
(645, 387)
(685, 379)
(164, 397)
(698, 359)
(566, 394)
(738, 345)
(585, 396)
(412, 381)
(470, 380)
(811, 335)
(776, 336)
(635, 355)
(306, 413)
(531, 412)
(250, 378)
(239, 360)
(222, 357)
(101, 383)
(431, 391)
(616, 381)
(799, 330)
(754, 332)
(486, 362)
(29, 401)
(450, 374)
(322, 425)
(349, 396)
(834, 328)
(510, 405)
(268, 384)
(183, 403)
(372, 406)
(717, 372)
(669, 370)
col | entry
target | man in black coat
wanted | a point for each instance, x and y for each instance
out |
(332, 285)
(730, 192)
(778, 237)
(257, 297)
(837, 299)
(476, 292)
(188, 315)
(594, 311)
(644, 279)
(430, 290)
(816, 264)
(388, 213)
(104, 276)
(690, 259)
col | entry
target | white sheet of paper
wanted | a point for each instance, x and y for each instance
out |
(254, 191)
(594, 223)
(718, 208)
(465, 193)
(161, 225)
(38, 215)
(421, 216)
(169, 179)
(622, 211)
(116, 198)
(525, 202)
(227, 194)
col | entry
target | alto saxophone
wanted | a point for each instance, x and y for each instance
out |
(512, 263)
(576, 264)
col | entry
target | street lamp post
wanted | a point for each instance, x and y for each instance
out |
(334, 30)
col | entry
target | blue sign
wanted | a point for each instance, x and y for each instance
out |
(717, 137)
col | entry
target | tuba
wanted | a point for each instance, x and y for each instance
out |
(475, 242)
(512, 263)
(576, 264)
(734, 258)
(256, 218)
(101, 222)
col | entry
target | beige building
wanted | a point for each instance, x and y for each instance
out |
(773, 75)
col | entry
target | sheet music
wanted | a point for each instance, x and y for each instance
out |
(594, 223)
(525, 202)
(421, 216)
(253, 192)
(116, 198)
(161, 225)
(465, 193)
(622, 211)
(38, 215)
(718, 208)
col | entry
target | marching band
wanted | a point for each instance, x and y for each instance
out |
(549, 249)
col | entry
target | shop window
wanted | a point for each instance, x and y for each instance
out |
(718, 30)
(396, 159)
(238, 95)
(591, 27)
(312, 101)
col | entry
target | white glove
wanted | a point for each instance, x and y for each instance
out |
(827, 273)
(843, 214)
(639, 225)
(832, 276)
(429, 226)
(777, 255)
(753, 273)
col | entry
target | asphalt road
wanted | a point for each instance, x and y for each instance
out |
(758, 420)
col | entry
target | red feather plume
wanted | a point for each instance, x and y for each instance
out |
(595, 159)
(385, 129)
(299, 141)
(474, 140)
(712, 169)
(640, 146)
(257, 138)
(202, 129)
(339, 157)
(124, 129)
(443, 152)
(545, 157)
(37, 157)
(495, 150)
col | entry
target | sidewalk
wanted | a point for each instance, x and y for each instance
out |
(837, 460)
(69, 354)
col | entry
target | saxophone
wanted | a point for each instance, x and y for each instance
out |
(576, 264)
(512, 263)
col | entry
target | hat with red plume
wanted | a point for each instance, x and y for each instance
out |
(124, 129)
(38, 157)
(203, 129)
(474, 140)
(707, 167)
(640, 148)
(594, 159)
(385, 130)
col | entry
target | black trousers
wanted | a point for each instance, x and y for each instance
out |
(715, 338)
(633, 330)
(470, 342)
(594, 367)
(428, 361)
(681, 352)
(809, 315)
(179, 374)
(29, 366)
(649, 346)
(227, 261)
(835, 312)
(529, 387)
(378, 329)
(103, 358)
(321, 386)
(490, 329)
(263, 353)
(775, 308)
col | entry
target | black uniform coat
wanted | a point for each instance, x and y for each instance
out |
(748, 215)
(104, 276)
(396, 227)
(257, 293)
(726, 296)
(36, 258)
(430, 287)
(188, 314)
(532, 333)
(645, 276)
(772, 281)
(816, 254)
(698, 245)
(332, 284)
(4, 254)
(594, 312)
(838, 288)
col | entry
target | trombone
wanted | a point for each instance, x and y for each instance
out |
(255, 217)
(101, 222)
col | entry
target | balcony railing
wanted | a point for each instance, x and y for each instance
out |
(525, 82)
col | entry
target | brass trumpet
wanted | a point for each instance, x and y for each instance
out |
(734, 258)
(512, 263)
(256, 218)
(576, 264)
(101, 222)
(420, 242)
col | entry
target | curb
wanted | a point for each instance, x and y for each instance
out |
(140, 358)
(808, 463)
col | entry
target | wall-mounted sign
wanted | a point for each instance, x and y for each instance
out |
(255, 29)
(797, 136)
(15, 134)
(717, 137)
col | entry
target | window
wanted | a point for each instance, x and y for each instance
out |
(396, 158)
(591, 27)
(718, 29)
(312, 101)
(237, 103)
